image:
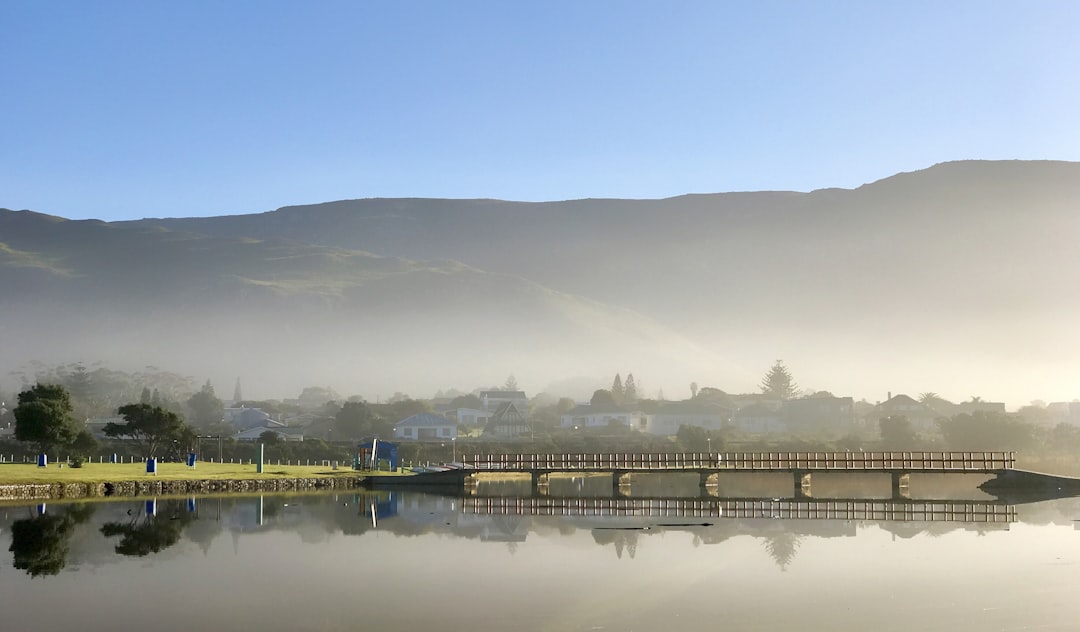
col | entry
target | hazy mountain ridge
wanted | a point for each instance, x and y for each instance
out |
(958, 276)
(226, 306)
(931, 232)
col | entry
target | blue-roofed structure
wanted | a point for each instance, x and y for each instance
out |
(425, 427)
(372, 453)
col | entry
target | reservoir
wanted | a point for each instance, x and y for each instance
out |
(661, 558)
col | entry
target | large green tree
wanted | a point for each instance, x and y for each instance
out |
(355, 420)
(205, 407)
(466, 401)
(986, 430)
(40, 544)
(43, 417)
(897, 433)
(150, 427)
(778, 382)
(146, 534)
(693, 438)
(603, 398)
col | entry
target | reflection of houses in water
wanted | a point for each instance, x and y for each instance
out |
(504, 529)
(621, 539)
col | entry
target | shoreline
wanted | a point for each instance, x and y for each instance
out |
(79, 490)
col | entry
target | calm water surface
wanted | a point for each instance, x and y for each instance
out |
(413, 561)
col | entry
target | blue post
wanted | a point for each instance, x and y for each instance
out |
(191, 459)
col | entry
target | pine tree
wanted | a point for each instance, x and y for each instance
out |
(630, 389)
(778, 382)
(617, 388)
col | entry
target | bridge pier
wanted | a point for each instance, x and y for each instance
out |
(534, 482)
(901, 485)
(802, 484)
(703, 481)
(617, 481)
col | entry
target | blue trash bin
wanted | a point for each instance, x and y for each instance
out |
(42, 460)
(191, 459)
(151, 466)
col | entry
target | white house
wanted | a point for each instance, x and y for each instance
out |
(425, 427)
(491, 400)
(473, 417)
(244, 418)
(601, 416)
(508, 423)
(670, 416)
(758, 419)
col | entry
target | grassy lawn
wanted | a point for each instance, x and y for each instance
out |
(111, 472)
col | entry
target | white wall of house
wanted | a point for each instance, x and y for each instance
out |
(491, 401)
(598, 420)
(473, 417)
(758, 425)
(668, 424)
(425, 433)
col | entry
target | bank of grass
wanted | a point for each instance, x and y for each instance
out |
(28, 473)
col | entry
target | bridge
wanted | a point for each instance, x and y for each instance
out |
(787, 509)
(802, 465)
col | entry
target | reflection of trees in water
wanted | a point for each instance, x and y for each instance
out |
(40, 544)
(144, 534)
(782, 547)
(622, 539)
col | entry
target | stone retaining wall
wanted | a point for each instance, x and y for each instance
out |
(54, 491)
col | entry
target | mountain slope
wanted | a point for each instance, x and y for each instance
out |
(956, 279)
(286, 314)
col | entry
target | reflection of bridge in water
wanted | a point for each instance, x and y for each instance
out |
(802, 465)
(785, 509)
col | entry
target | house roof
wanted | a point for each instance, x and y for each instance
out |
(756, 410)
(255, 433)
(475, 411)
(504, 394)
(691, 407)
(507, 411)
(424, 420)
(589, 409)
(906, 401)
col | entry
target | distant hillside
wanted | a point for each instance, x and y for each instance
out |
(959, 278)
(288, 314)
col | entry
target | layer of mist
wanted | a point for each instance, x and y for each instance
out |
(957, 279)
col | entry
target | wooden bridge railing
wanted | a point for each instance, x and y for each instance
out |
(749, 461)
(907, 511)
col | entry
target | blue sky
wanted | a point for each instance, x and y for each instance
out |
(118, 110)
